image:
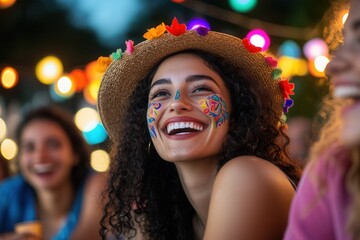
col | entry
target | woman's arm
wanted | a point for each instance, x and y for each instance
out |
(250, 200)
(89, 221)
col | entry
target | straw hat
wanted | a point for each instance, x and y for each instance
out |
(122, 75)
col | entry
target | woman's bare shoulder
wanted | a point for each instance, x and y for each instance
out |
(249, 194)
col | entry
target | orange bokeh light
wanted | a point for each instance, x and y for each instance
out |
(6, 3)
(79, 79)
(9, 77)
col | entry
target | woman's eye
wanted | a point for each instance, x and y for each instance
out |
(159, 94)
(27, 147)
(201, 89)
(54, 143)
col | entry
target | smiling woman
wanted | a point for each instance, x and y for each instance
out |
(195, 120)
(55, 186)
(327, 205)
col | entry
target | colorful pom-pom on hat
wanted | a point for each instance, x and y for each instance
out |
(122, 76)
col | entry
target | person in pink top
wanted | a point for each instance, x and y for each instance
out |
(327, 204)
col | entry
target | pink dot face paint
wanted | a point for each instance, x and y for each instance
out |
(152, 113)
(215, 107)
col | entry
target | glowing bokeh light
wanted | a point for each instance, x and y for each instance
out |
(259, 38)
(196, 22)
(9, 77)
(64, 85)
(313, 71)
(292, 66)
(49, 69)
(2, 129)
(344, 18)
(320, 63)
(289, 48)
(79, 79)
(100, 160)
(8, 148)
(91, 71)
(91, 91)
(6, 3)
(315, 47)
(86, 119)
(96, 136)
(55, 94)
(242, 6)
(64, 88)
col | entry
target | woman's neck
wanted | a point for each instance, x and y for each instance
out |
(53, 207)
(197, 178)
(55, 202)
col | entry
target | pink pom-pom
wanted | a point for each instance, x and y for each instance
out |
(271, 61)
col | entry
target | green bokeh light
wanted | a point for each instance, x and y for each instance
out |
(242, 5)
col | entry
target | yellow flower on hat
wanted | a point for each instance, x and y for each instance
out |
(155, 32)
(103, 63)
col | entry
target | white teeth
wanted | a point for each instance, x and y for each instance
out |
(182, 125)
(43, 168)
(346, 91)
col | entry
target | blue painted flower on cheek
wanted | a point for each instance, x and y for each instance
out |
(152, 113)
(215, 107)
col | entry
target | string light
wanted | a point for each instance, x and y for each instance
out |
(259, 38)
(48, 69)
(9, 77)
(242, 6)
(100, 160)
(6, 3)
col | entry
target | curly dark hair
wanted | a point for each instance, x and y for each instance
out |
(145, 190)
(65, 121)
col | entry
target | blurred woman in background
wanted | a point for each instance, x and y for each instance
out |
(55, 185)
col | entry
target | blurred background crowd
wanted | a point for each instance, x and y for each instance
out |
(49, 49)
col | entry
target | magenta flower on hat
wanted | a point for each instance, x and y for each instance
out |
(176, 29)
(271, 61)
(129, 46)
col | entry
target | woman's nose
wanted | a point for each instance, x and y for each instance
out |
(340, 62)
(180, 103)
(39, 154)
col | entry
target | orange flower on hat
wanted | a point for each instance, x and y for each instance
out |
(103, 63)
(155, 32)
(286, 88)
(176, 29)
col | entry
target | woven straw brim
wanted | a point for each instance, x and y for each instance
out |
(123, 75)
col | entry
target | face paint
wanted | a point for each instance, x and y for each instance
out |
(215, 107)
(177, 95)
(152, 112)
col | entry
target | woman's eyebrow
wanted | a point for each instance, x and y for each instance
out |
(194, 78)
(191, 78)
(160, 81)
